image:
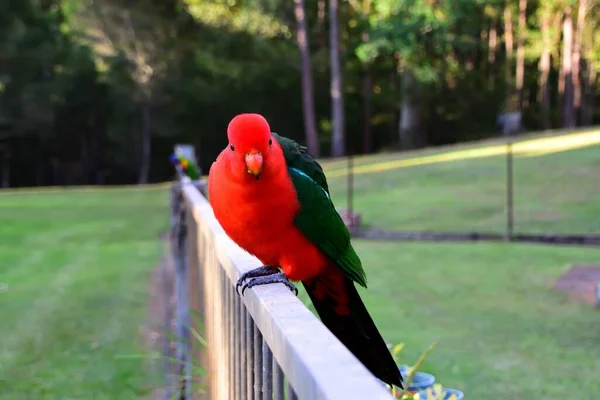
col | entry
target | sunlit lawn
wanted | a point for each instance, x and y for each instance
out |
(76, 266)
(557, 192)
(503, 333)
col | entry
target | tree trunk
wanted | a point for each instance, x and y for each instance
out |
(308, 103)
(393, 85)
(5, 170)
(40, 164)
(577, 57)
(39, 175)
(567, 67)
(509, 45)
(84, 160)
(520, 72)
(337, 97)
(561, 86)
(101, 144)
(367, 87)
(545, 65)
(409, 113)
(492, 50)
(587, 117)
(492, 42)
(146, 144)
(322, 37)
(556, 54)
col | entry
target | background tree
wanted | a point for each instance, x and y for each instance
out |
(308, 102)
(338, 145)
(97, 92)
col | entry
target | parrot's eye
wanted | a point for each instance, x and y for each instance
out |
(270, 142)
(231, 147)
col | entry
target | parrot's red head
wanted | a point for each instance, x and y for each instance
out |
(250, 145)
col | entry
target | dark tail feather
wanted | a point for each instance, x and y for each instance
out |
(332, 297)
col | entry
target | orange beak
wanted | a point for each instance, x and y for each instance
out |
(254, 163)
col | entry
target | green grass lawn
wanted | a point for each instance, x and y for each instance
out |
(503, 332)
(557, 192)
(76, 265)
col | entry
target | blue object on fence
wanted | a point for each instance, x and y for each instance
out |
(421, 380)
(174, 159)
(447, 393)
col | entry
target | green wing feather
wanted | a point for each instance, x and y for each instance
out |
(192, 170)
(318, 218)
(296, 156)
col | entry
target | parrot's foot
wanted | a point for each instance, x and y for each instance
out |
(274, 278)
(265, 270)
(263, 276)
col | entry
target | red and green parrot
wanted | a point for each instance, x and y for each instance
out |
(271, 198)
(187, 166)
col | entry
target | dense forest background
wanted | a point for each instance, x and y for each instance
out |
(98, 91)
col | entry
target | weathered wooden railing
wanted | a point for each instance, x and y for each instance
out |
(263, 345)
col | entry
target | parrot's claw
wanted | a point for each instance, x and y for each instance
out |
(265, 270)
(278, 277)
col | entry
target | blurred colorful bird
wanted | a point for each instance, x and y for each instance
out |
(187, 166)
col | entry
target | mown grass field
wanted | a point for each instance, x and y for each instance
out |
(75, 267)
(503, 332)
(557, 192)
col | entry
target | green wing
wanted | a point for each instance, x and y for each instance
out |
(296, 156)
(318, 218)
(192, 170)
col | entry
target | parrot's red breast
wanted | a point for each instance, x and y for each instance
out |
(255, 201)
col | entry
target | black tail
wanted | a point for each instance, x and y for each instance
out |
(356, 330)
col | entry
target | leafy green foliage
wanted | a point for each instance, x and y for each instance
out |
(99, 91)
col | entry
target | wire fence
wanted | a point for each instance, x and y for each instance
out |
(545, 187)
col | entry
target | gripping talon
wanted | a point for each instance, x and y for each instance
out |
(265, 270)
(271, 278)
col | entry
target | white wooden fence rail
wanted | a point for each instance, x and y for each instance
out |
(264, 345)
